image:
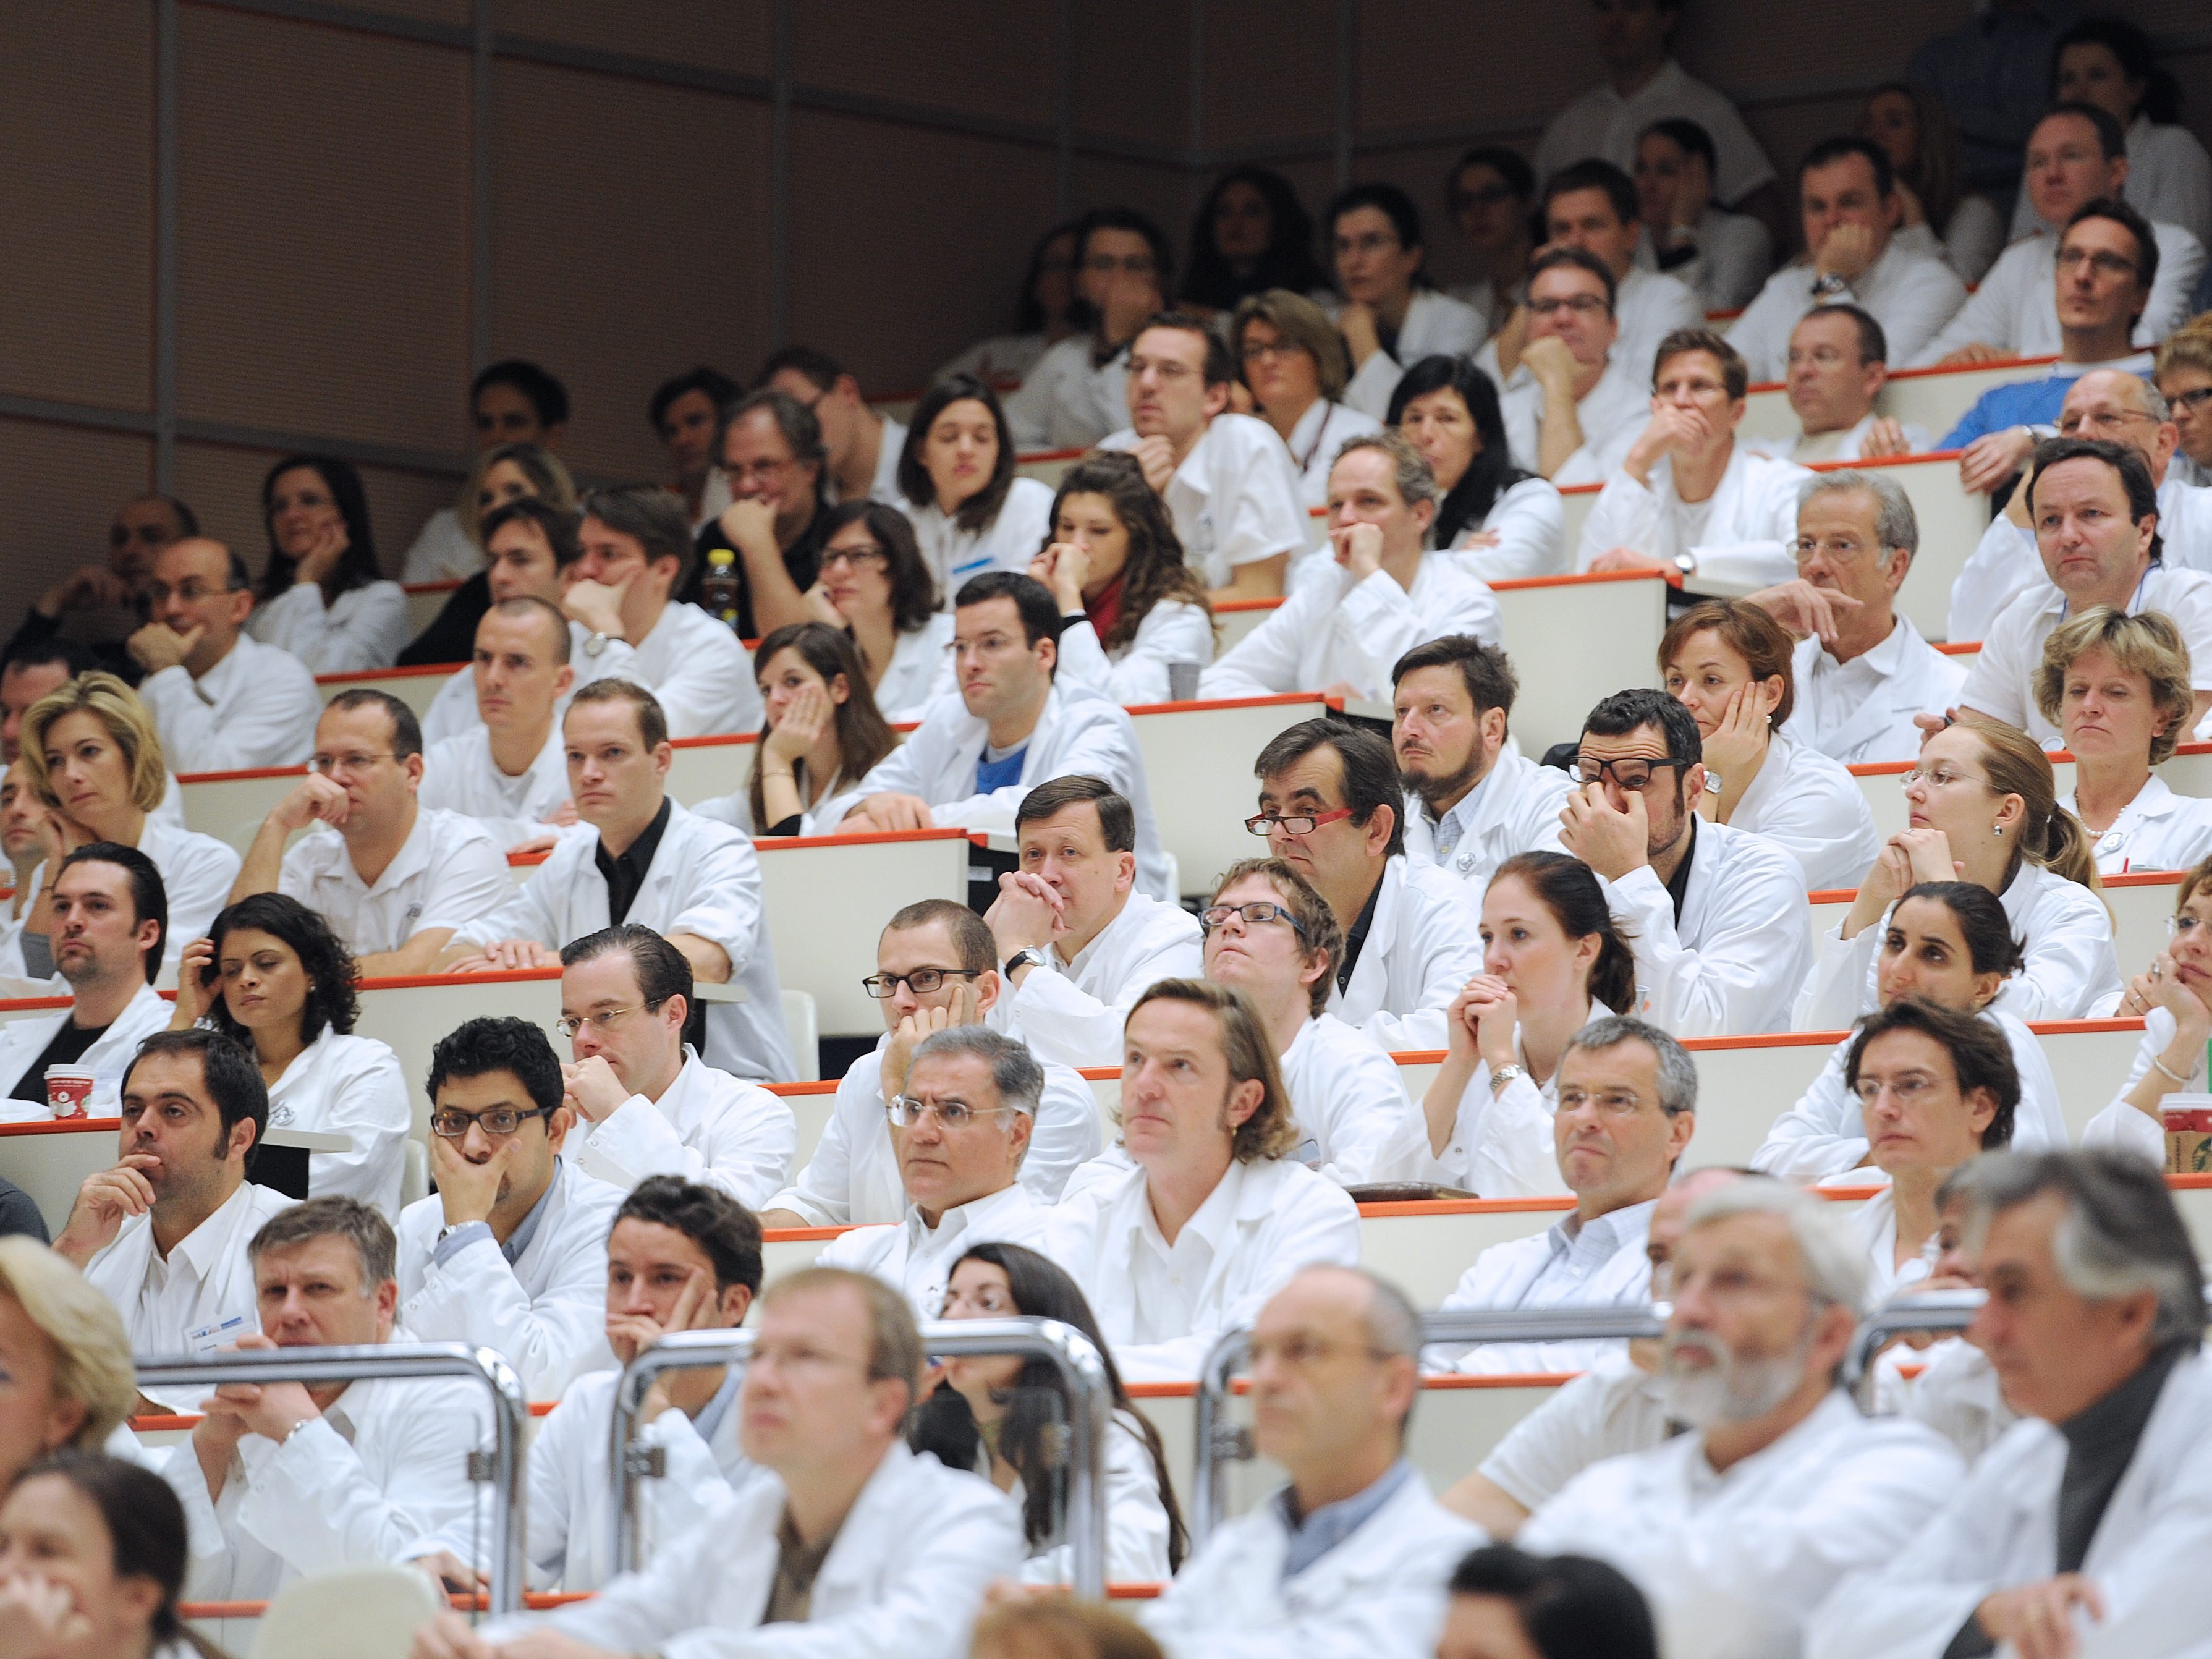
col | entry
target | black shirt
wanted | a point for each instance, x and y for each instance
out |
(69, 1046)
(802, 559)
(1355, 941)
(626, 874)
(1678, 885)
(113, 655)
(452, 635)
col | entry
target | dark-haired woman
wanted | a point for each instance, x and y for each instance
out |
(821, 734)
(1043, 317)
(1249, 234)
(272, 974)
(970, 512)
(323, 597)
(1552, 962)
(1130, 608)
(1392, 314)
(1949, 943)
(1293, 362)
(875, 587)
(1002, 1418)
(1499, 521)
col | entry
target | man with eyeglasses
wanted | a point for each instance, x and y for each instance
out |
(2183, 372)
(510, 1252)
(2077, 156)
(394, 878)
(1736, 1530)
(111, 596)
(1573, 403)
(1228, 480)
(1077, 391)
(1717, 917)
(959, 1130)
(860, 448)
(1837, 364)
(1351, 1556)
(222, 700)
(1489, 194)
(936, 970)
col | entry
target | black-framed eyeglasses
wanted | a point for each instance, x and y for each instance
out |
(922, 982)
(1258, 911)
(1293, 824)
(500, 1122)
(1632, 773)
(2195, 397)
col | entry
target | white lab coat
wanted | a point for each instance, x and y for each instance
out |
(1875, 1225)
(916, 1259)
(447, 873)
(2169, 181)
(701, 672)
(1958, 1395)
(258, 706)
(2015, 307)
(2063, 929)
(1809, 806)
(546, 1312)
(1071, 1011)
(1807, 449)
(1733, 1562)
(1750, 525)
(1421, 948)
(2157, 830)
(705, 879)
(1514, 809)
(1910, 293)
(1136, 1520)
(1264, 1222)
(1315, 439)
(1861, 712)
(852, 1177)
(452, 711)
(2119, 1127)
(1015, 535)
(823, 818)
(1824, 1135)
(1069, 400)
(1377, 1594)
(1734, 253)
(1172, 631)
(1530, 523)
(22, 1041)
(921, 669)
(1235, 500)
(1435, 325)
(1728, 969)
(2006, 564)
(1573, 1263)
(1649, 305)
(350, 1086)
(1612, 414)
(196, 873)
(707, 1126)
(442, 551)
(902, 1581)
(2000, 1528)
(1346, 1097)
(1078, 733)
(459, 775)
(366, 628)
(1612, 1409)
(1332, 628)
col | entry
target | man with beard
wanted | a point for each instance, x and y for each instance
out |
(1735, 1530)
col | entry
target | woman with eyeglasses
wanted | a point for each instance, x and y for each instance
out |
(2183, 376)
(1983, 807)
(2172, 997)
(1949, 943)
(1393, 314)
(820, 735)
(271, 973)
(1077, 393)
(1005, 1419)
(323, 597)
(1293, 363)
(875, 587)
(970, 512)
(2117, 688)
(1498, 521)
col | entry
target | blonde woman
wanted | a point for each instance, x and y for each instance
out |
(66, 1374)
(451, 544)
(1293, 362)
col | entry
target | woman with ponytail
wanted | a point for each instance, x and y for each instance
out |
(1984, 808)
(1552, 962)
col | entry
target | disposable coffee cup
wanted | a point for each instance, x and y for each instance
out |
(69, 1090)
(2187, 1133)
(1183, 681)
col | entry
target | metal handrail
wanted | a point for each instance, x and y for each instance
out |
(1221, 1442)
(1082, 1372)
(1945, 1312)
(391, 1362)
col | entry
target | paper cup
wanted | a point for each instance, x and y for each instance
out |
(2188, 1134)
(69, 1088)
(1183, 681)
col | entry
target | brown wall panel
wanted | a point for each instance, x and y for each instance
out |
(997, 62)
(223, 485)
(1270, 70)
(1422, 62)
(59, 487)
(730, 37)
(1132, 79)
(1753, 47)
(454, 14)
(1165, 193)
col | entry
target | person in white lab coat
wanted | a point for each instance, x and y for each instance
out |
(1837, 366)
(1949, 943)
(640, 857)
(1573, 401)
(1352, 1557)
(1073, 938)
(1293, 362)
(2183, 371)
(107, 1569)
(1340, 630)
(2173, 998)
(508, 772)
(906, 1546)
(958, 486)
(2080, 1532)
(861, 445)
(1729, 662)
(68, 1357)
(2112, 65)
(1131, 610)
(1593, 205)
(1553, 961)
(1627, 1106)
(652, 1105)
(1717, 916)
(1330, 801)
(510, 1252)
(1852, 209)
(959, 1129)
(821, 732)
(1983, 809)
(222, 700)
(936, 968)
(1473, 800)
(1076, 393)
(1392, 316)
(2117, 689)
(1944, 214)
(1862, 672)
(1271, 936)
(1721, 257)
(323, 597)
(513, 401)
(1492, 193)
(1688, 498)
(1010, 727)
(1230, 485)
(272, 975)
(1495, 519)
(1206, 1215)
(1780, 1488)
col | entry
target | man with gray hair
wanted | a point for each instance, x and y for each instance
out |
(2082, 1532)
(1862, 670)
(1377, 594)
(1353, 1556)
(1627, 1106)
(959, 1128)
(1735, 1530)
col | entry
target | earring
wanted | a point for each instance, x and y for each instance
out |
(1998, 830)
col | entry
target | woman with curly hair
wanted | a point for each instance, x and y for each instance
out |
(271, 973)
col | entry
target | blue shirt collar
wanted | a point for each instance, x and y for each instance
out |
(1328, 1526)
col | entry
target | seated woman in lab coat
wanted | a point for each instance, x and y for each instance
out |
(821, 734)
(1393, 315)
(1130, 608)
(455, 536)
(970, 512)
(2173, 999)
(1729, 663)
(875, 586)
(1500, 521)
(2117, 688)
(1951, 944)
(1983, 808)
(272, 975)
(1002, 1418)
(323, 596)
(1291, 359)
(1553, 961)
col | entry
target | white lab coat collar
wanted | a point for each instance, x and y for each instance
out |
(22, 1041)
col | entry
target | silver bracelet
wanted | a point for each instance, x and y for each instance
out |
(2184, 1081)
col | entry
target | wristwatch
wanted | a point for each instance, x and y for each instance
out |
(596, 643)
(1506, 1074)
(1827, 285)
(1028, 957)
(1687, 563)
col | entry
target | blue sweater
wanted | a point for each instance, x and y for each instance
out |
(2024, 403)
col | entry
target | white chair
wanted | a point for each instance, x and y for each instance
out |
(363, 1612)
(798, 1019)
